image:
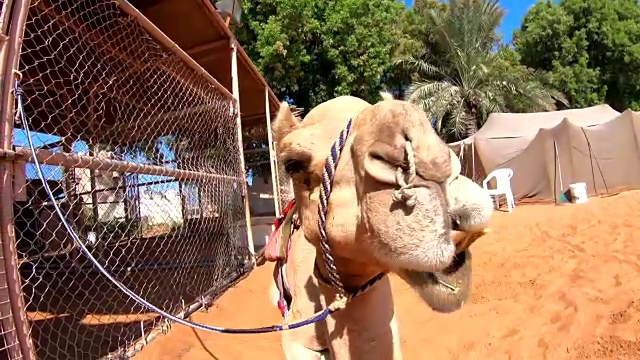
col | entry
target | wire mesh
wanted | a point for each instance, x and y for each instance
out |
(9, 346)
(285, 186)
(141, 152)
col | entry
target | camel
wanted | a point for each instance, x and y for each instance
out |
(398, 204)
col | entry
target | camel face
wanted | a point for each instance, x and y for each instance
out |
(404, 231)
(371, 225)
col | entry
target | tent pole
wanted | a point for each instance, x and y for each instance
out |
(559, 167)
(606, 188)
(555, 172)
(593, 175)
(463, 165)
(473, 159)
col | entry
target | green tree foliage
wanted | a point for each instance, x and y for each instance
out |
(415, 35)
(458, 77)
(592, 48)
(313, 50)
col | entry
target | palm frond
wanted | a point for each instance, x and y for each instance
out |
(467, 75)
(418, 66)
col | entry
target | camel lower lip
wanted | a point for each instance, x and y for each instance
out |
(444, 291)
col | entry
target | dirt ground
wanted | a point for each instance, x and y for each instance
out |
(550, 282)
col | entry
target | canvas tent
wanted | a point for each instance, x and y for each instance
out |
(597, 145)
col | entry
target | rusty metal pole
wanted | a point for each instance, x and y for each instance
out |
(7, 231)
(245, 191)
(6, 321)
(4, 20)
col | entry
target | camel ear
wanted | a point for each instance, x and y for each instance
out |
(294, 155)
(285, 122)
(386, 96)
(456, 166)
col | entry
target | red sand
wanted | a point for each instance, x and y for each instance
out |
(550, 282)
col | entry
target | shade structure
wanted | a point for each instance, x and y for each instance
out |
(597, 145)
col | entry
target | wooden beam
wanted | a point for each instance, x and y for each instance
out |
(214, 46)
(253, 117)
(272, 155)
(210, 51)
(218, 22)
(245, 193)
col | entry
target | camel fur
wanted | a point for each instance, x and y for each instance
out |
(367, 230)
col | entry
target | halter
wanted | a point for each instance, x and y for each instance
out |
(328, 175)
(287, 220)
(405, 193)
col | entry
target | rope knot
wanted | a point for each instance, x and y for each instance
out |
(17, 90)
(339, 303)
(406, 193)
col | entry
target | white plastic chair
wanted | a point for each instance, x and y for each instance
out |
(503, 182)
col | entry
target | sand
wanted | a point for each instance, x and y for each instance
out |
(550, 282)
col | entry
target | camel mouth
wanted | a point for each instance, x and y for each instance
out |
(447, 290)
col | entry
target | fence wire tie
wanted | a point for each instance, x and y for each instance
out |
(144, 336)
(121, 354)
(204, 300)
(167, 325)
(18, 117)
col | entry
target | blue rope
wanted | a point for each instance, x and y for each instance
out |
(325, 192)
(19, 94)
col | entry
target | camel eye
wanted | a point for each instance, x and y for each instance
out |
(293, 166)
(377, 157)
(455, 225)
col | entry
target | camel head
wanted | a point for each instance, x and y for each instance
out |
(396, 202)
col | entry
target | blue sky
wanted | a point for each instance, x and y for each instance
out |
(511, 21)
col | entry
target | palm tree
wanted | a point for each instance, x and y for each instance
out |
(464, 79)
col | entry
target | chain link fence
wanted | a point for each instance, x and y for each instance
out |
(141, 152)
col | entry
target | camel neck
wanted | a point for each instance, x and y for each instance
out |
(352, 273)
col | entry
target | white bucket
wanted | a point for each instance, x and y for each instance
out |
(579, 193)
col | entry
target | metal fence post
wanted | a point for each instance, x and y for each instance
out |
(272, 155)
(236, 94)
